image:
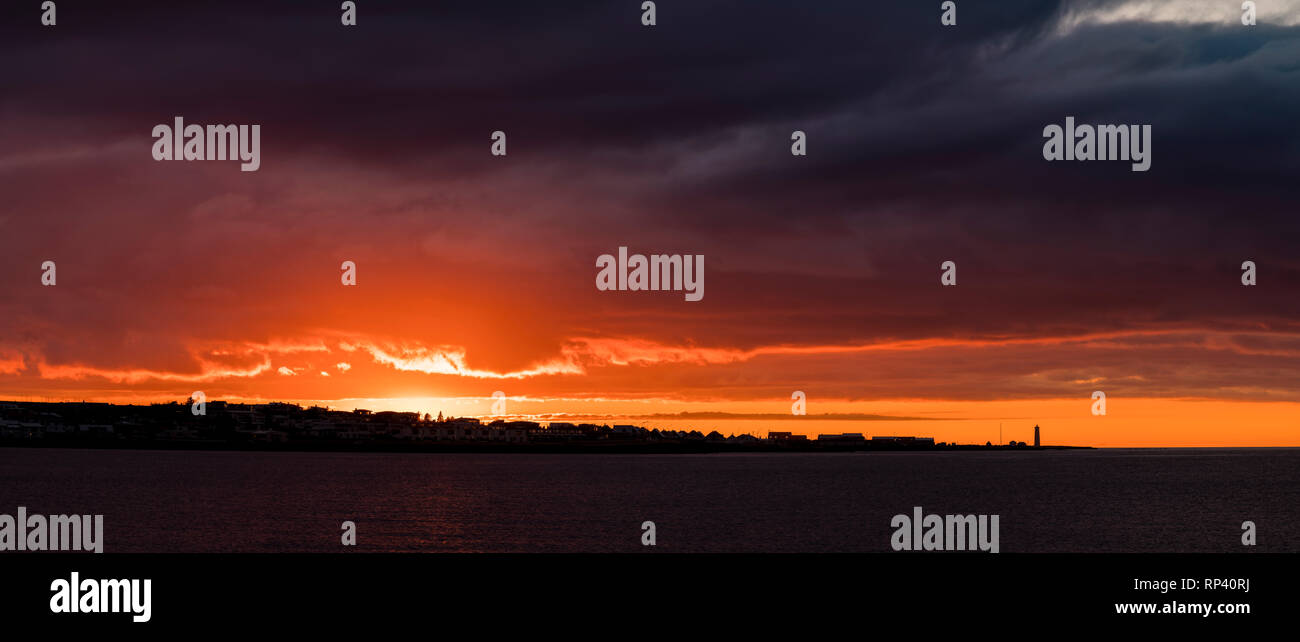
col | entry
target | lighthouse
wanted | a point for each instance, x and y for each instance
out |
(1035, 436)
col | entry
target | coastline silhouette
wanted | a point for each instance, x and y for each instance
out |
(284, 426)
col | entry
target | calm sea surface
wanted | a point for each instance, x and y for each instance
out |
(1174, 500)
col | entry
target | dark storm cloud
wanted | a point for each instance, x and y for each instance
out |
(904, 116)
(895, 105)
(892, 89)
(419, 79)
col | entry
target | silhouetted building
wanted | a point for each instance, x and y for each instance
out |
(786, 436)
(844, 437)
(1036, 444)
(883, 439)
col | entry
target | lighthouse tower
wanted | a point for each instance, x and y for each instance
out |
(1035, 436)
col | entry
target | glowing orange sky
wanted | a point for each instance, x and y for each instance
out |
(648, 382)
(440, 321)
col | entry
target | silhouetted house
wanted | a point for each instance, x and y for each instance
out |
(96, 429)
(270, 436)
(354, 431)
(902, 442)
(178, 433)
(627, 431)
(786, 436)
(554, 430)
(392, 417)
(848, 437)
(466, 423)
(56, 428)
(246, 417)
(20, 430)
(514, 436)
(419, 431)
(323, 430)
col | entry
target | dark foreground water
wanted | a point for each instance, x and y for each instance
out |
(1176, 500)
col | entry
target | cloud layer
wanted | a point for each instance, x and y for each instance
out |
(477, 272)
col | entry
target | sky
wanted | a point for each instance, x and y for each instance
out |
(476, 273)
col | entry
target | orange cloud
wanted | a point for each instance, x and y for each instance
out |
(450, 360)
